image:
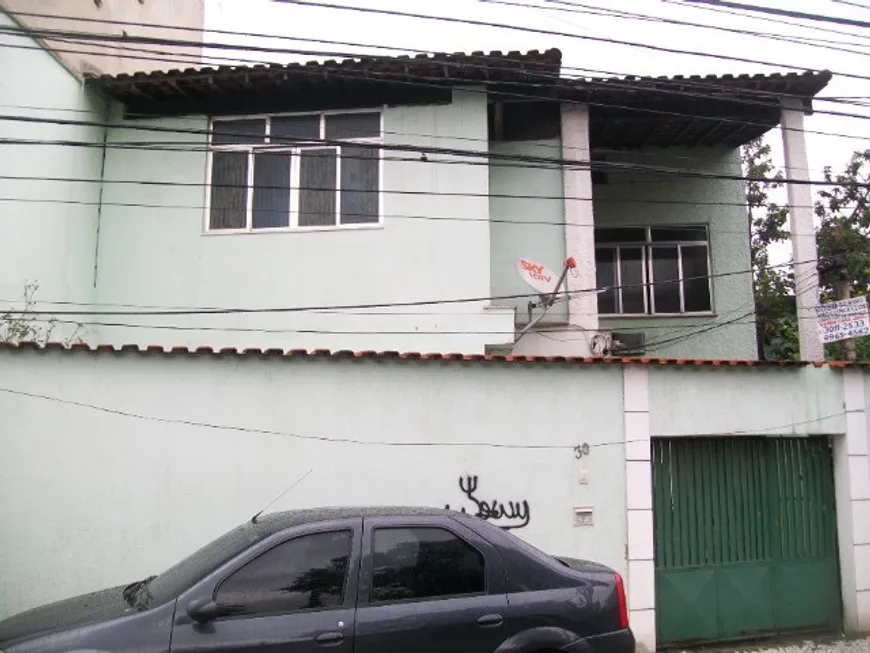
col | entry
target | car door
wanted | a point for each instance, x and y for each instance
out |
(428, 585)
(295, 593)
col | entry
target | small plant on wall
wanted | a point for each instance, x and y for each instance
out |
(25, 325)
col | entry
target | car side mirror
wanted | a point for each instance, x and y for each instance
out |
(205, 610)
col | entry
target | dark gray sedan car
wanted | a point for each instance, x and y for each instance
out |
(354, 580)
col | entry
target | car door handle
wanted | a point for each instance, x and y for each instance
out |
(490, 620)
(329, 639)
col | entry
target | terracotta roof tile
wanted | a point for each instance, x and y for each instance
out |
(416, 356)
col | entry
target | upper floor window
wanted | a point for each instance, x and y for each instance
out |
(276, 172)
(653, 270)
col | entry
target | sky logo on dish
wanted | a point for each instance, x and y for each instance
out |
(535, 271)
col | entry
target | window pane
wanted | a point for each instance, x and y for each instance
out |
(666, 288)
(677, 234)
(605, 276)
(317, 187)
(359, 185)
(420, 563)
(696, 291)
(620, 235)
(353, 125)
(306, 573)
(229, 190)
(631, 281)
(290, 128)
(271, 190)
(238, 132)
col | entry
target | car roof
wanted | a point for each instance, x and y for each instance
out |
(277, 521)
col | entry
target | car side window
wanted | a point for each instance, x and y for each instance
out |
(305, 573)
(424, 563)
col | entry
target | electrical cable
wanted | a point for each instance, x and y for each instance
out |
(768, 20)
(704, 84)
(480, 154)
(546, 32)
(380, 443)
(578, 8)
(839, 20)
(302, 309)
(605, 83)
(549, 79)
(405, 216)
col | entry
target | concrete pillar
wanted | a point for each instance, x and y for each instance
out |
(579, 222)
(638, 494)
(575, 338)
(852, 478)
(803, 233)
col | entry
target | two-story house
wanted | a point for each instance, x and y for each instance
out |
(384, 204)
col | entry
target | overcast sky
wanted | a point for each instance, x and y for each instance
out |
(583, 56)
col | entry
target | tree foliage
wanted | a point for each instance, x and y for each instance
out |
(25, 325)
(776, 320)
(843, 215)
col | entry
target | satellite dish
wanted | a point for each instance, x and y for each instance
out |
(541, 278)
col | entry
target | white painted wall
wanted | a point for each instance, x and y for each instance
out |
(431, 247)
(48, 219)
(132, 18)
(92, 499)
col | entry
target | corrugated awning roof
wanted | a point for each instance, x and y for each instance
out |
(298, 354)
(626, 112)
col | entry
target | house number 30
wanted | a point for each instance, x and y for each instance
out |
(581, 450)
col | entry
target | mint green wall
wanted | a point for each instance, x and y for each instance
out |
(47, 227)
(617, 203)
(745, 401)
(431, 247)
(529, 227)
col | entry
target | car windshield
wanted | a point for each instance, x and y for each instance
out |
(195, 567)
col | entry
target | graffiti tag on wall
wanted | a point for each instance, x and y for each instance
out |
(516, 514)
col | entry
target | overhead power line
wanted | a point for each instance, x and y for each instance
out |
(781, 12)
(339, 72)
(700, 84)
(480, 154)
(548, 32)
(375, 305)
(384, 443)
(584, 9)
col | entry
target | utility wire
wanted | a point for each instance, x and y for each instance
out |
(393, 78)
(851, 4)
(379, 443)
(481, 154)
(301, 309)
(781, 12)
(578, 8)
(406, 216)
(521, 28)
(768, 20)
(702, 84)
(549, 79)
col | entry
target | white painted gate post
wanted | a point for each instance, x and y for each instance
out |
(638, 494)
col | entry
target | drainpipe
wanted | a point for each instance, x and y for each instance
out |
(100, 196)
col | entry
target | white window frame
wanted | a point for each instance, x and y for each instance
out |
(647, 246)
(267, 146)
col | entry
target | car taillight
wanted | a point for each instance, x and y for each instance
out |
(623, 604)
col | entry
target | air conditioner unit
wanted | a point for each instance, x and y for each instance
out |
(627, 343)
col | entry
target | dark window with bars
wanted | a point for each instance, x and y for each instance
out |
(270, 173)
(653, 271)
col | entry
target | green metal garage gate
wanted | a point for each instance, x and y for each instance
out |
(745, 537)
